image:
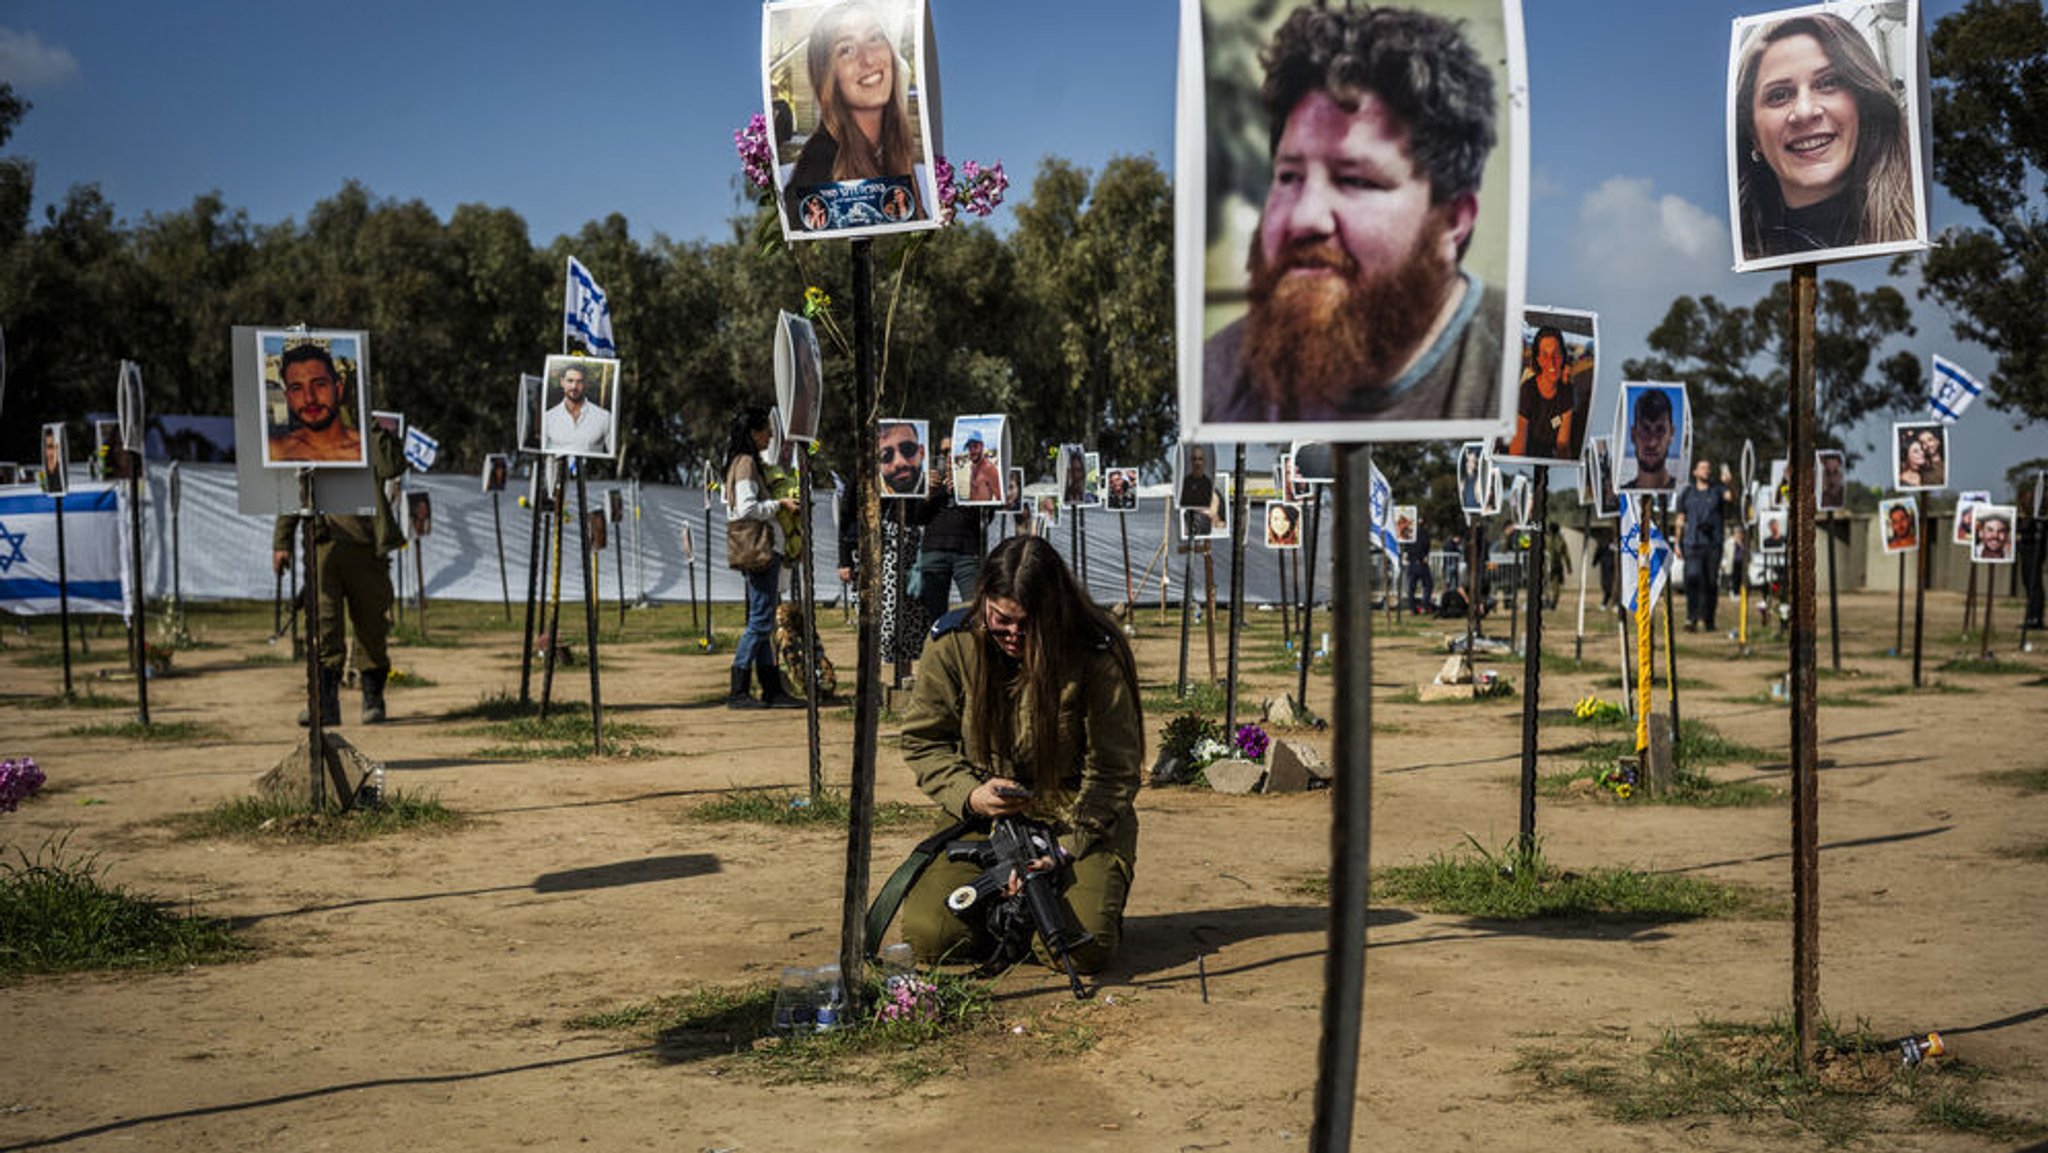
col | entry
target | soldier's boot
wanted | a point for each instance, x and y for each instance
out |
(330, 700)
(741, 697)
(373, 696)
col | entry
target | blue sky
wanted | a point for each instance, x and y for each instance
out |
(569, 113)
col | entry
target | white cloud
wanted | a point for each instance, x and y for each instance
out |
(27, 62)
(1627, 230)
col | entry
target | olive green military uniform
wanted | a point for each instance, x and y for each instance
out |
(1102, 744)
(355, 572)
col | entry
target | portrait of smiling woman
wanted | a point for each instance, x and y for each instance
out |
(862, 128)
(1821, 138)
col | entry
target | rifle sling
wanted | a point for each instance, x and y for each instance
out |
(890, 898)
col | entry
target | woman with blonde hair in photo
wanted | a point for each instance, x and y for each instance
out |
(1821, 139)
(863, 129)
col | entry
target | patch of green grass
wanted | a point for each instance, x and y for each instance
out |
(829, 809)
(408, 679)
(1692, 789)
(1513, 885)
(1979, 665)
(1559, 663)
(157, 731)
(1856, 1089)
(85, 700)
(1658, 680)
(264, 817)
(1503, 689)
(58, 914)
(407, 633)
(2034, 780)
(1699, 743)
(734, 1027)
(564, 735)
(1906, 688)
(1201, 698)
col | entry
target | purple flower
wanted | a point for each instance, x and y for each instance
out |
(19, 780)
(755, 156)
(1251, 740)
(971, 187)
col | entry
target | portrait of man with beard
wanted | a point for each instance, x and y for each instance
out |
(1358, 304)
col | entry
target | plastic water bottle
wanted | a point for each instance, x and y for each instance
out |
(899, 964)
(830, 992)
(1919, 1047)
(795, 1009)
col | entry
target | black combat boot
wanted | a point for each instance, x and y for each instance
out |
(373, 696)
(741, 698)
(330, 700)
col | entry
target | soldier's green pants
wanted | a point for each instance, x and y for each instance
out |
(1094, 902)
(358, 578)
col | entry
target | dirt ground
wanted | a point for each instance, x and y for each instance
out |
(417, 989)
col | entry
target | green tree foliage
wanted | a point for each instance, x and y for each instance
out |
(1990, 67)
(1734, 360)
(1067, 323)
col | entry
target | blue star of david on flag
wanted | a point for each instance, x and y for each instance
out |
(1383, 513)
(10, 547)
(1631, 539)
(586, 314)
(1951, 390)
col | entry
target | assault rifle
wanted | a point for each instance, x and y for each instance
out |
(1013, 844)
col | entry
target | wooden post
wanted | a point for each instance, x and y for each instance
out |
(867, 700)
(1187, 578)
(1834, 600)
(63, 593)
(316, 723)
(1805, 758)
(1920, 586)
(554, 610)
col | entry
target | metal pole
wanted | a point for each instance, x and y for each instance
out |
(1187, 580)
(63, 593)
(1899, 635)
(1970, 603)
(536, 534)
(1532, 661)
(708, 638)
(1475, 544)
(1984, 644)
(1920, 586)
(316, 723)
(138, 641)
(1805, 757)
(1585, 540)
(1671, 652)
(806, 568)
(554, 609)
(1240, 503)
(498, 535)
(867, 704)
(1834, 600)
(589, 574)
(1209, 599)
(1308, 586)
(619, 571)
(1282, 560)
(1123, 529)
(419, 572)
(1351, 813)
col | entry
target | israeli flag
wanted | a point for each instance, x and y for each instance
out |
(421, 450)
(93, 556)
(1951, 391)
(586, 314)
(1630, 541)
(1383, 514)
